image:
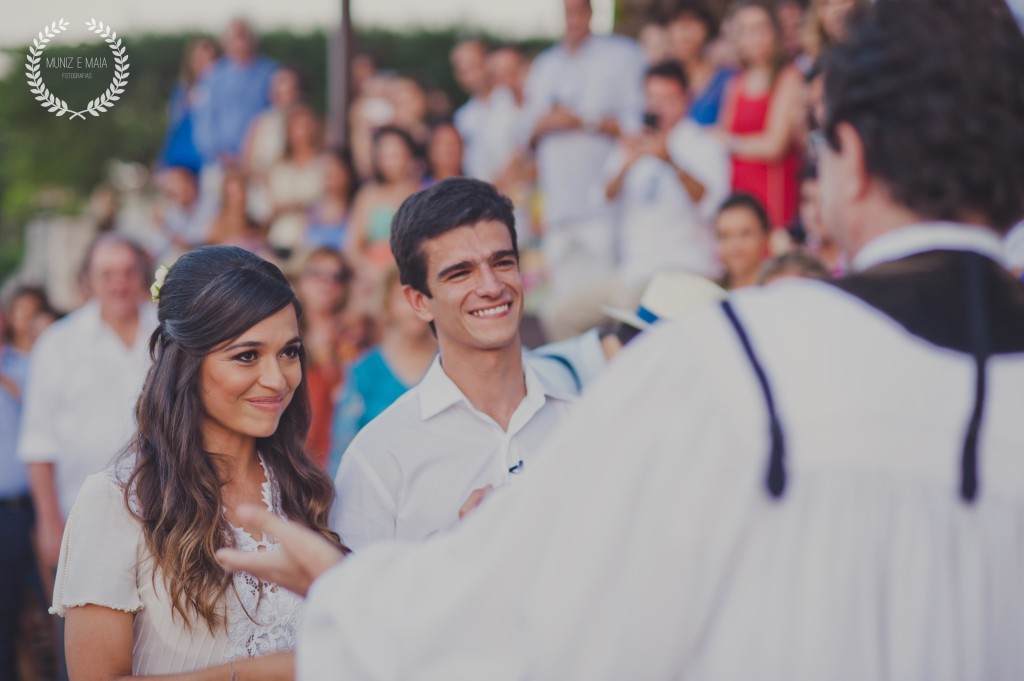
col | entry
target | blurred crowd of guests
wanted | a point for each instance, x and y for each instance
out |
(685, 149)
(690, 148)
(617, 153)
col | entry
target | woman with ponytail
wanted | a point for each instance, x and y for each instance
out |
(221, 421)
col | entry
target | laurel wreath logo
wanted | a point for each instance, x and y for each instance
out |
(55, 104)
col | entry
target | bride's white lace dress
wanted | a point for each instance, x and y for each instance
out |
(275, 612)
(104, 561)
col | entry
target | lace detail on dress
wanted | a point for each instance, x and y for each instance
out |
(275, 617)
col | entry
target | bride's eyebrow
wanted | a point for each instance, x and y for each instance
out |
(244, 344)
(259, 344)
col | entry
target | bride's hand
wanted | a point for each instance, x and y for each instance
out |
(303, 557)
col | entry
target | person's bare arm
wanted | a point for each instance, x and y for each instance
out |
(693, 186)
(614, 186)
(610, 346)
(563, 119)
(631, 151)
(558, 119)
(49, 520)
(98, 642)
(655, 145)
(303, 557)
(727, 110)
(609, 127)
(249, 146)
(772, 144)
(519, 169)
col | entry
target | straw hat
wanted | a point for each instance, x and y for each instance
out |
(667, 296)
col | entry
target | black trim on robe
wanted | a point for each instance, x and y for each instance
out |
(927, 295)
(775, 479)
(958, 300)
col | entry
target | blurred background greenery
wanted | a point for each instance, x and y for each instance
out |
(50, 164)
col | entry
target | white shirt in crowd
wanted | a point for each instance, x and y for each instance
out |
(470, 120)
(79, 406)
(603, 78)
(407, 473)
(644, 545)
(661, 227)
(491, 131)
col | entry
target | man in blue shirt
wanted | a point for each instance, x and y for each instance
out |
(230, 95)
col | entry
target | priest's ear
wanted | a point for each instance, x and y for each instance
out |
(851, 163)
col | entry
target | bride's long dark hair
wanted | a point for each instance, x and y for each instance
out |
(210, 296)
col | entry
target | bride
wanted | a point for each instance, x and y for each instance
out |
(222, 419)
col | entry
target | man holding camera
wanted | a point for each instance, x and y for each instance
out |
(669, 178)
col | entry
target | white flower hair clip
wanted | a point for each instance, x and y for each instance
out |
(158, 283)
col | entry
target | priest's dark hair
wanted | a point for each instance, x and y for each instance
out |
(935, 91)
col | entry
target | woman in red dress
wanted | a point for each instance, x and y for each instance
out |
(761, 119)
